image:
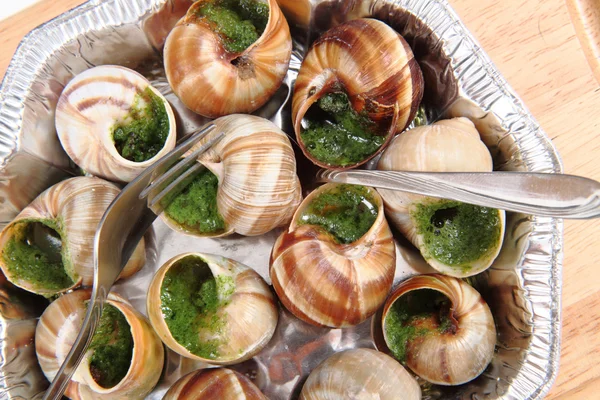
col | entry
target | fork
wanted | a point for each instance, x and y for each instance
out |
(541, 194)
(122, 226)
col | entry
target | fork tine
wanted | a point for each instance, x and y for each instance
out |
(173, 157)
(171, 187)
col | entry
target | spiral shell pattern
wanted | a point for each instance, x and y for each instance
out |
(76, 205)
(360, 374)
(326, 283)
(218, 383)
(256, 168)
(457, 357)
(376, 68)
(88, 108)
(57, 329)
(250, 314)
(212, 81)
(446, 146)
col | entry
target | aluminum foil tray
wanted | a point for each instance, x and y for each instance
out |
(523, 287)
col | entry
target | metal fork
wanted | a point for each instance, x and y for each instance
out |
(546, 195)
(121, 228)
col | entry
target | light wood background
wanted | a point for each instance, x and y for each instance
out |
(533, 44)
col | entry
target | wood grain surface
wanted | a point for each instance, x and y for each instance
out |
(534, 45)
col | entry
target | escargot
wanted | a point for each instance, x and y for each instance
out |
(454, 238)
(215, 383)
(358, 86)
(440, 328)
(360, 374)
(124, 359)
(335, 264)
(113, 123)
(228, 56)
(249, 185)
(211, 308)
(48, 247)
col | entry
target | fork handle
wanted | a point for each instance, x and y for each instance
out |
(547, 195)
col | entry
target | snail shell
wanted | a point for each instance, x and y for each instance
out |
(212, 81)
(373, 65)
(463, 351)
(57, 329)
(216, 383)
(258, 189)
(360, 374)
(446, 146)
(88, 109)
(248, 312)
(72, 209)
(326, 283)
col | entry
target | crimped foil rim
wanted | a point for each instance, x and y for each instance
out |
(542, 284)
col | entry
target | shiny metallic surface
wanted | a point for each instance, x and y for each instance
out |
(523, 286)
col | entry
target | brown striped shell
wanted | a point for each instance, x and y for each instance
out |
(88, 109)
(217, 383)
(75, 206)
(256, 168)
(460, 354)
(56, 332)
(360, 374)
(326, 283)
(212, 81)
(373, 65)
(249, 311)
(446, 146)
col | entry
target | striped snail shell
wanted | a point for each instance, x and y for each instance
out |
(374, 66)
(99, 101)
(213, 79)
(57, 329)
(445, 146)
(328, 283)
(451, 345)
(360, 374)
(48, 247)
(258, 189)
(240, 322)
(216, 383)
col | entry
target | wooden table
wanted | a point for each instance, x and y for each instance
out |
(534, 46)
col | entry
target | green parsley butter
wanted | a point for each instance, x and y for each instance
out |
(455, 233)
(347, 212)
(190, 300)
(337, 135)
(239, 23)
(112, 347)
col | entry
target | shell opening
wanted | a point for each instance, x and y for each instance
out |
(415, 315)
(238, 23)
(34, 255)
(195, 208)
(336, 134)
(191, 298)
(112, 348)
(143, 132)
(347, 212)
(457, 234)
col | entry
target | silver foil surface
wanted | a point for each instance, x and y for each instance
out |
(523, 287)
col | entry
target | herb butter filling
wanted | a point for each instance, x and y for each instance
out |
(337, 135)
(195, 208)
(34, 254)
(112, 347)
(347, 212)
(455, 233)
(190, 300)
(143, 132)
(417, 314)
(239, 23)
